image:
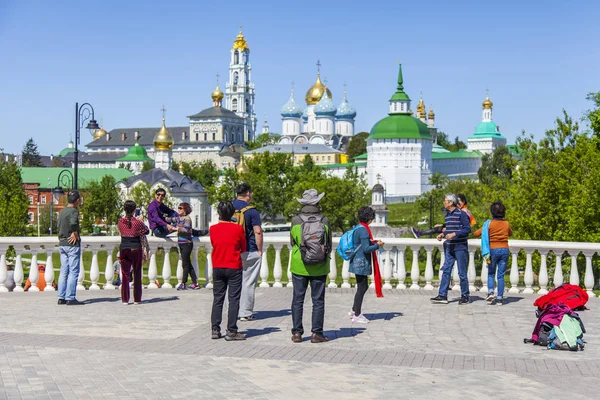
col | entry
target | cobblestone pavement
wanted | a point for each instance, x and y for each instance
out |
(162, 349)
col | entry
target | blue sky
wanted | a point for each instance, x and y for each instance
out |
(128, 58)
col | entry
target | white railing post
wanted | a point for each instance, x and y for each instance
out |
(290, 283)
(471, 273)
(179, 270)
(194, 264)
(514, 272)
(429, 268)
(589, 274)
(442, 262)
(455, 277)
(109, 271)
(277, 268)
(94, 270)
(166, 270)
(387, 270)
(346, 274)
(18, 271)
(414, 271)
(558, 272)
(208, 270)
(49, 273)
(3, 271)
(528, 278)
(264, 269)
(81, 275)
(574, 277)
(484, 275)
(332, 270)
(401, 269)
(543, 276)
(152, 268)
(33, 273)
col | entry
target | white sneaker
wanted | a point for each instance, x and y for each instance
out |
(351, 314)
(361, 319)
(125, 304)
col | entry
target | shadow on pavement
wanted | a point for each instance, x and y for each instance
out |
(102, 300)
(385, 316)
(160, 299)
(272, 313)
(259, 332)
(343, 333)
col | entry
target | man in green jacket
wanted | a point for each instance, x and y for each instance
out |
(311, 246)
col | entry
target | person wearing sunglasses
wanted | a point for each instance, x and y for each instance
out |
(184, 241)
(156, 211)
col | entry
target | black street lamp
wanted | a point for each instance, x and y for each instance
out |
(65, 178)
(82, 114)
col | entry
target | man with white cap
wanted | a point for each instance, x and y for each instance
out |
(310, 238)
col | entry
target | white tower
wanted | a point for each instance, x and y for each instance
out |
(378, 204)
(487, 136)
(265, 127)
(291, 115)
(239, 92)
(344, 117)
(163, 143)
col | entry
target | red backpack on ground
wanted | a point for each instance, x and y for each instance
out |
(570, 295)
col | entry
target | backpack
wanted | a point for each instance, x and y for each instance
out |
(346, 248)
(568, 335)
(238, 216)
(570, 295)
(313, 239)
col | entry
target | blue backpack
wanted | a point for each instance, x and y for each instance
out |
(346, 248)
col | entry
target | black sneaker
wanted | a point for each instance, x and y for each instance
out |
(216, 334)
(499, 301)
(62, 301)
(74, 302)
(439, 299)
(464, 300)
(416, 233)
(490, 296)
(229, 336)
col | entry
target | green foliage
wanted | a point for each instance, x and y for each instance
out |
(30, 154)
(101, 201)
(142, 196)
(593, 116)
(44, 219)
(357, 145)
(264, 139)
(205, 172)
(147, 165)
(496, 167)
(224, 188)
(13, 202)
(444, 140)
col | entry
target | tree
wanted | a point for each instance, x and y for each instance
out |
(13, 202)
(147, 165)
(142, 196)
(357, 145)
(497, 165)
(444, 141)
(593, 115)
(44, 219)
(30, 154)
(101, 201)
(224, 188)
(205, 172)
(264, 139)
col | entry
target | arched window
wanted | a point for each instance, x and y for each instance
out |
(234, 105)
(205, 136)
(247, 105)
(236, 58)
(236, 76)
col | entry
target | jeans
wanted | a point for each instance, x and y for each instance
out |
(186, 260)
(499, 261)
(362, 284)
(161, 231)
(317, 292)
(461, 257)
(226, 280)
(69, 271)
(251, 263)
(131, 263)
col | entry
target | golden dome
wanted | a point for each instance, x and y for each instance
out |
(242, 168)
(487, 103)
(315, 93)
(163, 139)
(431, 114)
(412, 113)
(240, 42)
(217, 95)
(98, 133)
(421, 108)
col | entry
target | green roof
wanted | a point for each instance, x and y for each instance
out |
(361, 157)
(48, 177)
(486, 130)
(400, 126)
(136, 153)
(439, 149)
(66, 150)
(462, 153)
(354, 164)
(400, 95)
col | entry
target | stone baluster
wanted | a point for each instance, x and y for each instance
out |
(543, 276)
(442, 262)
(94, 270)
(471, 273)
(484, 275)
(33, 273)
(589, 273)
(455, 277)
(401, 269)
(290, 283)
(208, 270)
(81, 275)
(346, 274)
(332, 270)
(152, 268)
(277, 268)
(429, 268)
(264, 270)
(109, 271)
(558, 272)
(49, 273)
(18, 272)
(414, 271)
(387, 270)
(194, 264)
(514, 272)
(574, 278)
(3, 271)
(179, 270)
(166, 271)
(528, 278)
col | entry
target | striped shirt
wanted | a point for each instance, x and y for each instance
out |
(457, 222)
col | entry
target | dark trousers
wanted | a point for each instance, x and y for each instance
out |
(362, 284)
(186, 260)
(161, 231)
(317, 292)
(226, 280)
(436, 230)
(131, 263)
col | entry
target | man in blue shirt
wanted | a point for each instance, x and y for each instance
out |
(251, 259)
(456, 248)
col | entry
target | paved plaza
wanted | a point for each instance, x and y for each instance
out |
(162, 349)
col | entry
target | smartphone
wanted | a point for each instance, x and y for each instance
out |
(138, 212)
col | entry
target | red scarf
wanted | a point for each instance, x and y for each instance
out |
(376, 272)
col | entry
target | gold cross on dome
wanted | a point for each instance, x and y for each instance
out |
(318, 66)
(164, 110)
(218, 78)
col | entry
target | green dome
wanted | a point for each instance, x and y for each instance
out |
(65, 151)
(487, 129)
(400, 126)
(136, 153)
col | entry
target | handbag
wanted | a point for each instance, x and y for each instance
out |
(145, 248)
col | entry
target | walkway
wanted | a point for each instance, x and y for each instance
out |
(162, 349)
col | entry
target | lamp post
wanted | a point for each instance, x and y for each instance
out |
(82, 114)
(65, 178)
(38, 217)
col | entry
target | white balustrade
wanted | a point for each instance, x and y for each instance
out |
(290, 284)
(33, 273)
(543, 276)
(179, 270)
(528, 278)
(208, 270)
(3, 271)
(484, 275)
(455, 277)
(109, 271)
(471, 274)
(166, 271)
(558, 272)
(589, 273)
(346, 274)
(574, 278)
(387, 270)
(429, 268)
(514, 272)
(414, 271)
(332, 271)
(94, 270)
(277, 268)
(401, 269)
(18, 272)
(442, 262)
(81, 274)
(264, 269)
(152, 269)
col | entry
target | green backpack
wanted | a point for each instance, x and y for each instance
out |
(568, 335)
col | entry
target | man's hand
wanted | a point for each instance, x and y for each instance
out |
(440, 237)
(140, 218)
(380, 243)
(171, 228)
(451, 236)
(73, 238)
(259, 252)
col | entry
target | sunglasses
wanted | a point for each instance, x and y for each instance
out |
(160, 195)
(180, 208)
